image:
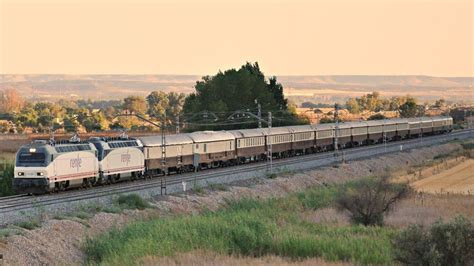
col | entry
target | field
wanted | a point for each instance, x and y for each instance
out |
(458, 180)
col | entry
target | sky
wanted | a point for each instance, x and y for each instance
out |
(201, 37)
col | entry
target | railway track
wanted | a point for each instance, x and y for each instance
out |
(23, 202)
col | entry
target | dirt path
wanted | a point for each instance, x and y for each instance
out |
(458, 179)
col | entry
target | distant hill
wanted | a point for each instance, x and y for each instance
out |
(119, 86)
(380, 82)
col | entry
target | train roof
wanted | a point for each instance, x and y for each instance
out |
(170, 140)
(355, 124)
(247, 133)
(205, 136)
(440, 118)
(301, 128)
(276, 131)
(324, 126)
(395, 121)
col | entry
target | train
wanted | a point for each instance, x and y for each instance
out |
(48, 166)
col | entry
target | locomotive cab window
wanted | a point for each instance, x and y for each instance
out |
(31, 158)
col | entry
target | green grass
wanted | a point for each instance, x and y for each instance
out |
(247, 227)
(218, 187)
(132, 201)
(29, 224)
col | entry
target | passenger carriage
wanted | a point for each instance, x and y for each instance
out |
(304, 139)
(324, 137)
(250, 144)
(178, 151)
(389, 129)
(402, 128)
(442, 124)
(414, 125)
(375, 131)
(359, 131)
(281, 140)
(213, 148)
(344, 135)
(426, 125)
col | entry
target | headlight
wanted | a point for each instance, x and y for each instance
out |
(21, 174)
(40, 174)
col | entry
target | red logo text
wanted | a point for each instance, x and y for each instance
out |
(75, 163)
(126, 158)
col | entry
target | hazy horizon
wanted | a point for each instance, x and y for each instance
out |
(190, 37)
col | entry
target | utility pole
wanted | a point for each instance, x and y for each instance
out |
(269, 144)
(259, 113)
(336, 130)
(336, 133)
(384, 136)
(177, 124)
(163, 154)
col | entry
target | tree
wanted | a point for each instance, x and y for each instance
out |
(135, 104)
(442, 244)
(367, 200)
(376, 117)
(158, 102)
(240, 89)
(409, 108)
(175, 105)
(440, 103)
(353, 106)
(95, 122)
(10, 101)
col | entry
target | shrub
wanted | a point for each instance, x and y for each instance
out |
(6, 181)
(442, 244)
(377, 117)
(368, 199)
(132, 201)
(29, 224)
(219, 187)
(468, 146)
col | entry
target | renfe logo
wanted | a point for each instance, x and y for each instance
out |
(126, 158)
(75, 163)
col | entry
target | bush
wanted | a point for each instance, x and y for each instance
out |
(132, 201)
(468, 146)
(368, 199)
(29, 224)
(377, 117)
(6, 181)
(443, 244)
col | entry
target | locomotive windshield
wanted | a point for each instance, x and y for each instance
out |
(27, 158)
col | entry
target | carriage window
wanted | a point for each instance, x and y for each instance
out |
(205, 147)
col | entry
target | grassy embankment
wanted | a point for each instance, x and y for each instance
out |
(251, 228)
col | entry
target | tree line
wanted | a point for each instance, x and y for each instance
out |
(244, 89)
(407, 106)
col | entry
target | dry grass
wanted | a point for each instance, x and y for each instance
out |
(458, 179)
(426, 209)
(328, 216)
(207, 258)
